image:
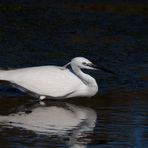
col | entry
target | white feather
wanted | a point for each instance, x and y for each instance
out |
(54, 81)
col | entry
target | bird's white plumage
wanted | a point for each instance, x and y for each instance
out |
(54, 81)
(46, 80)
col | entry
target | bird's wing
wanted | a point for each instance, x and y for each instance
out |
(45, 80)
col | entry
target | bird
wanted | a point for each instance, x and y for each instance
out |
(55, 82)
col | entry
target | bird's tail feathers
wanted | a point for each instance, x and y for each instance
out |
(3, 118)
(2, 73)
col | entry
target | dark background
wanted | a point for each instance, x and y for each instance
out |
(109, 33)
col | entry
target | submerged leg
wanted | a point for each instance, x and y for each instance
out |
(42, 103)
(41, 100)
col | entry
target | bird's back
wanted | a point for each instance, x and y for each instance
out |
(45, 80)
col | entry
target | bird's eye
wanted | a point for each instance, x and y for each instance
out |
(84, 63)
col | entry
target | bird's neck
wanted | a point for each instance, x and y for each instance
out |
(86, 79)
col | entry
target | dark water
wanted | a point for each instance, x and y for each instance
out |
(112, 34)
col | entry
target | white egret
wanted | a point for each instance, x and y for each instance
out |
(54, 81)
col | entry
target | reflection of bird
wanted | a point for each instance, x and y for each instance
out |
(54, 81)
(66, 120)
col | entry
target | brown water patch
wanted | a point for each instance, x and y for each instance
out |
(126, 8)
(85, 39)
(123, 8)
(144, 77)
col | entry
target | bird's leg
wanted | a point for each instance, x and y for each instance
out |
(42, 98)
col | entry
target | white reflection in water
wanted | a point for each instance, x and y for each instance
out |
(54, 118)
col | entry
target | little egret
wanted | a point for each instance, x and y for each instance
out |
(54, 82)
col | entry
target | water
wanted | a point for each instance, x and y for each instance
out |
(111, 34)
(113, 120)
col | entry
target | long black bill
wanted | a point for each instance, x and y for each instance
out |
(106, 70)
(92, 66)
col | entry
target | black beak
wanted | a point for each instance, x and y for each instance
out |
(92, 65)
(106, 70)
(101, 68)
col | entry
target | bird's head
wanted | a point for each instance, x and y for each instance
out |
(83, 63)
